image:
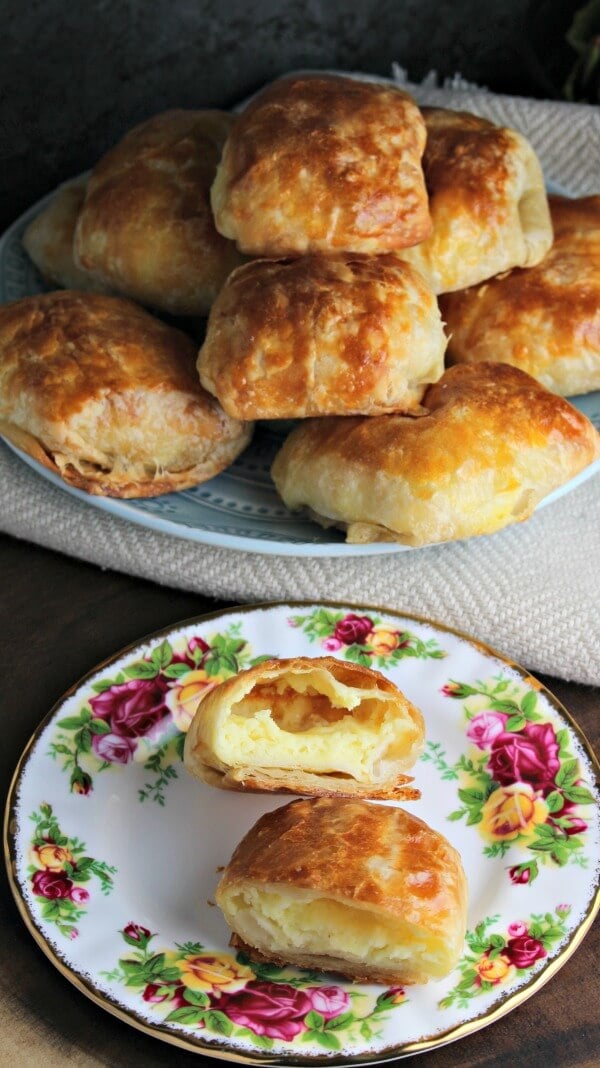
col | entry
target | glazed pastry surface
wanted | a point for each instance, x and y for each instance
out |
(146, 227)
(365, 890)
(107, 396)
(48, 240)
(323, 163)
(491, 444)
(543, 319)
(322, 335)
(487, 200)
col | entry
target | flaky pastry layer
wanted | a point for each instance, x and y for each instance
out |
(543, 319)
(106, 396)
(487, 200)
(146, 228)
(490, 445)
(369, 891)
(306, 725)
(322, 335)
(48, 241)
(323, 163)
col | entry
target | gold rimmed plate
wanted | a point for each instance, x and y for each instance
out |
(113, 850)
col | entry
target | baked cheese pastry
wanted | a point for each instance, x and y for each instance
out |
(307, 725)
(322, 335)
(48, 240)
(323, 163)
(106, 396)
(487, 201)
(492, 444)
(339, 885)
(543, 319)
(146, 227)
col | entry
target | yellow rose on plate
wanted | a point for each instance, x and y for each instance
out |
(211, 973)
(493, 971)
(382, 641)
(184, 696)
(511, 811)
(52, 857)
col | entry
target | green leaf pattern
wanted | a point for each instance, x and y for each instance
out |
(141, 713)
(519, 781)
(59, 870)
(229, 995)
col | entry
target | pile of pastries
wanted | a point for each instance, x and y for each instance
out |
(330, 881)
(395, 278)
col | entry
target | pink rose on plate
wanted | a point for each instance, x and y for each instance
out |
(485, 728)
(530, 756)
(114, 748)
(132, 708)
(515, 930)
(332, 644)
(52, 884)
(272, 1009)
(330, 1001)
(79, 894)
(353, 629)
(523, 951)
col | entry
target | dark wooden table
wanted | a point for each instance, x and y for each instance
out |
(58, 618)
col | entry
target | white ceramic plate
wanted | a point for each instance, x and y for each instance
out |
(114, 850)
(239, 509)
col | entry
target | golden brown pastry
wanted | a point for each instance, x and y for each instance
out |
(306, 725)
(323, 163)
(368, 891)
(487, 201)
(322, 335)
(493, 444)
(543, 319)
(48, 240)
(146, 227)
(106, 396)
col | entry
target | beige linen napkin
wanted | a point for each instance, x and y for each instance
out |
(532, 591)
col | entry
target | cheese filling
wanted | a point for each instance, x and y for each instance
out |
(316, 724)
(300, 924)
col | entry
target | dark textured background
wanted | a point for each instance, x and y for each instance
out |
(76, 75)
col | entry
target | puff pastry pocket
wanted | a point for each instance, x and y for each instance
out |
(318, 163)
(146, 228)
(107, 397)
(48, 240)
(309, 726)
(544, 319)
(492, 444)
(487, 201)
(322, 335)
(332, 884)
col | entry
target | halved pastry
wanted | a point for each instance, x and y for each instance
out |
(106, 396)
(487, 201)
(544, 319)
(323, 163)
(368, 891)
(309, 726)
(146, 228)
(491, 444)
(322, 335)
(48, 240)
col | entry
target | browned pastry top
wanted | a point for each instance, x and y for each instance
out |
(146, 226)
(324, 162)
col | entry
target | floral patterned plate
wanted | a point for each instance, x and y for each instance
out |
(115, 851)
(240, 508)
